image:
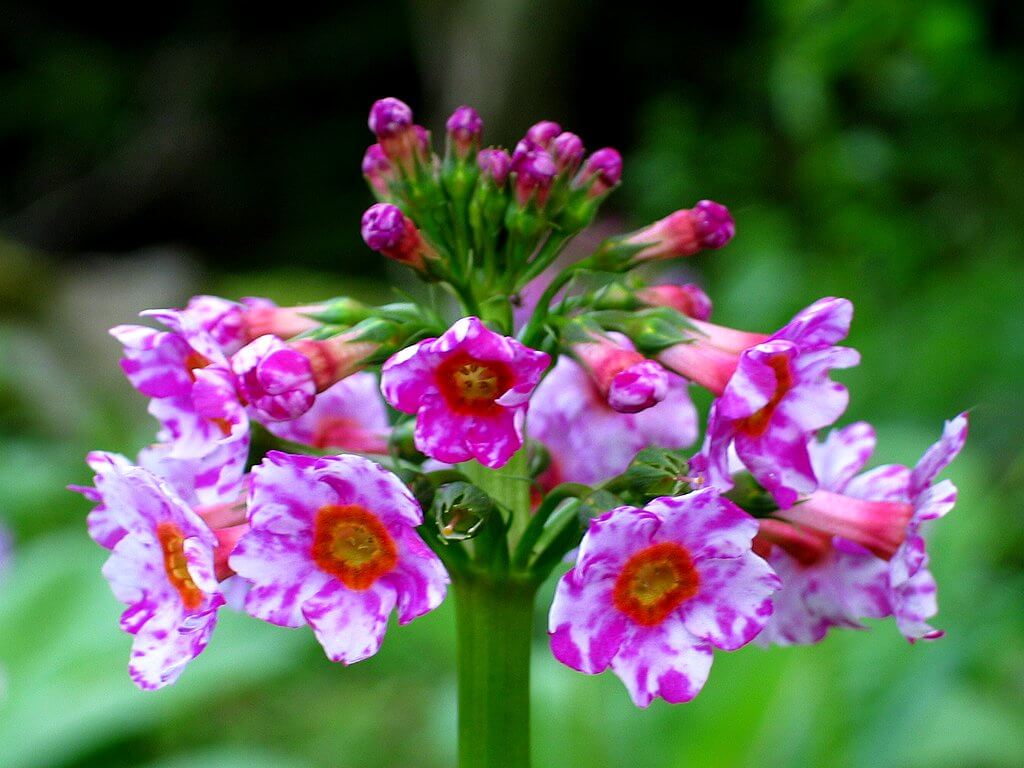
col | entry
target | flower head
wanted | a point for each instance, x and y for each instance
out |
(162, 568)
(654, 590)
(590, 442)
(333, 545)
(827, 581)
(773, 397)
(883, 511)
(469, 390)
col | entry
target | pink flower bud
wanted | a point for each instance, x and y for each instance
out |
(274, 379)
(377, 169)
(495, 163)
(601, 172)
(534, 173)
(688, 299)
(543, 133)
(715, 226)
(387, 230)
(568, 151)
(684, 233)
(389, 117)
(464, 130)
(638, 387)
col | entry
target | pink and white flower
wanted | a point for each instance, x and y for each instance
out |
(655, 590)
(773, 395)
(162, 565)
(590, 442)
(883, 511)
(469, 389)
(193, 391)
(827, 581)
(349, 416)
(333, 545)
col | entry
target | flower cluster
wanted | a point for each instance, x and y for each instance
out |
(542, 415)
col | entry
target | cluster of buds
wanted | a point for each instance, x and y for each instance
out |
(517, 441)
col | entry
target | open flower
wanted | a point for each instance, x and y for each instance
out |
(883, 511)
(194, 394)
(774, 395)
(161, 565)
(333, 545)
(827, 581)
(590, 442)
(348, 416)
(469, 390)
(654, 590)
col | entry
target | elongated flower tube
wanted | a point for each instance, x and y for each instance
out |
(587, 440)
(655, 590)
(469, 389)
(629, 381)
(390, 232)
(688, 299)
(263, 317)
(708, 225)
(333, 544)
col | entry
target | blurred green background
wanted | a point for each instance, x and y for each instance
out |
(868, 149)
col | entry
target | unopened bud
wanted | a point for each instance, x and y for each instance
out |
(387, 230)
(543, 133)
(494, 164)
(601, 172)
(689, 299)
(464, 130)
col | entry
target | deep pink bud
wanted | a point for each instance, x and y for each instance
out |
(715, 226)
(534, 173)
(383, 226)
(568, 151)
(495, 163)
(389, 117)
(543, 133)
(464, 130)
(387, 230)
(422, 140)
(602, 171)
(684, 233)
(377, 169)
(688, 299)
(638, 387)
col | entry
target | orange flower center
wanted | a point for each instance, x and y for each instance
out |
(193, 362)
(471, 386)
(756, 424)
(654, 582)
(172, 542)
(351, 544)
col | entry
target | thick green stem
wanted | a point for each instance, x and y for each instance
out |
(493, 626)
(509, 486)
